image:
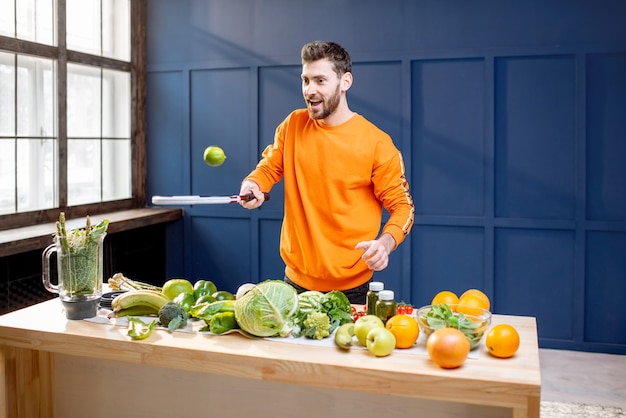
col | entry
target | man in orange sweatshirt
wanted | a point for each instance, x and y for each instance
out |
(339, 171)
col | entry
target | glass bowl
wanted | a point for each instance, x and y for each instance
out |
(473, 322)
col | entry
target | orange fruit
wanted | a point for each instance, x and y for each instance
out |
(405, 329)
(480, 294)
(470, 305)
(445, 296)
(448, 347)
(502, 341)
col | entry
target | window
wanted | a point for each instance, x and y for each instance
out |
(71, 115)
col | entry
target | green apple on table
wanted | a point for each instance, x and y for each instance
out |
(380, 341)
(363, 325)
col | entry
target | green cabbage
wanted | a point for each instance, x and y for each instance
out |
(268, 309)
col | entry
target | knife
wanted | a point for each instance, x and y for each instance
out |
(203, 200)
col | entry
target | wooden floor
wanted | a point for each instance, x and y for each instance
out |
(589, 378)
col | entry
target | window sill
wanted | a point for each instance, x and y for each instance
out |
(36, 237)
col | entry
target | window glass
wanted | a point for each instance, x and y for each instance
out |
(7, 176)
(116, 170)
(7, 98)
(7, 19)
(83, 26)
(35, 96)
(27, 133)
(116, 29)
(99, 27)
(98, 127)
(83, 171)
(83, 101)
(35, 174)
(35, 21)
(115, 104)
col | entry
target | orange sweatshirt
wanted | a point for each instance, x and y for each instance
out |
(337, 180)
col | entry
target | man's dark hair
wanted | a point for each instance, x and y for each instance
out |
(332, 51)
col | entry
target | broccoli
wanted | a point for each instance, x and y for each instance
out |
(172, 316)
(316, 325)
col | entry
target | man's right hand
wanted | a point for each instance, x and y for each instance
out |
(247, 187)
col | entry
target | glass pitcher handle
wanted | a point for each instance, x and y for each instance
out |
(45, 269)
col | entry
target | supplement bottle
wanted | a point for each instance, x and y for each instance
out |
(386, 305)
(372, 297)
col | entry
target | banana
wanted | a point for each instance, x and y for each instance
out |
(137, 310)
(147, 298)
(344, 334)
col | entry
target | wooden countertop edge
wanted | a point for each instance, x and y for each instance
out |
(37, 237)
(292, 371)
(236, 356)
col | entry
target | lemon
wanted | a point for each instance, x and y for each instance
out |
(214, 156)
(174, 287)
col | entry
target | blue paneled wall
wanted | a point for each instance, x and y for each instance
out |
(511, 117)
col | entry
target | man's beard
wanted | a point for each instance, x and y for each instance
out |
(328, 106)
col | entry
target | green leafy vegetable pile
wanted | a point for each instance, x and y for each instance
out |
(334, 305)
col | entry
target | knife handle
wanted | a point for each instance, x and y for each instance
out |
(250, 196)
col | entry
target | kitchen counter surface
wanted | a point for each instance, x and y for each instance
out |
(49, 362)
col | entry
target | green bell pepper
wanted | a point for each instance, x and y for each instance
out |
(139, 330)
(185, 301)
(203, 287)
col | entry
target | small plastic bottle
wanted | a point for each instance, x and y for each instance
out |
(386, 305)
(372, 297)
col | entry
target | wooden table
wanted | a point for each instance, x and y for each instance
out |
(54, 367)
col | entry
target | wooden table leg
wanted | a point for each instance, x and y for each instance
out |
(26, 379)
(531, 411)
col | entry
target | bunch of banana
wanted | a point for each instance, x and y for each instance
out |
(137, 303)
(344, 334)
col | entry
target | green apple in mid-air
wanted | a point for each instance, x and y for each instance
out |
(364, 324)
(380, 341)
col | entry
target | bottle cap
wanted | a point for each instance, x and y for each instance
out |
(377, 286)
(385, 295)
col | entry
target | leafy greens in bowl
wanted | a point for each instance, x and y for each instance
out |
(474, 325)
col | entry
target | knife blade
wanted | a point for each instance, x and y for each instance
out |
(202, 200)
